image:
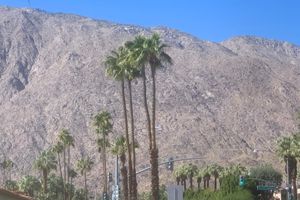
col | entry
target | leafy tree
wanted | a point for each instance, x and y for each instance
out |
(80, 194)
(11, 185)
(264, 174)
(45, 163)
(7, 165)
(84, 165)
(56, 187)
(30, 185)
(102, 122)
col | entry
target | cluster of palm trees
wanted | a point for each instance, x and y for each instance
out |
(189, 172)
(138, 58)
(288, 148)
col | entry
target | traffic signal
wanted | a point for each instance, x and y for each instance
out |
(110, 179)
(242, 181)
(105, 196)
(170, 164)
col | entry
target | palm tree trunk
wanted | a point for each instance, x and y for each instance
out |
(146, 108)
(64, 180)
(124, 177)
(154, 151)
(60, 172)
(45, 177)
(68, 167)
(134, 183)
(127, 139)
(215, 183)
(104, 165)
(191, 182)
(184, 184)
(85, 187)
(177, 180)
(198, 182)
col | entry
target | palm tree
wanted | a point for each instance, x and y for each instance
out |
(215, 172)
(102, 122)
(84, 165)
(45, 162)
(119, 149)
(206, 177)
(150, 51)
(116, 70)
(288, 149)
(191, 169)
(67, 140)
(58, 149)
(199, 176)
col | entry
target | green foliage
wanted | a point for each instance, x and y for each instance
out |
(240, 194)
(229, 184)
(79, 194)
(30, 185)
(266, 172)
(163, 195)
(11, 185)
(55, 185)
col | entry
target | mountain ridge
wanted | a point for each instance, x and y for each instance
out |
(219, 100)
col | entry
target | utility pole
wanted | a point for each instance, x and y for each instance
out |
(116, 188)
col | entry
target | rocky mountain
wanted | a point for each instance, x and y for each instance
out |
(219, 101)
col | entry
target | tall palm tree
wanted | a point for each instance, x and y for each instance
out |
(150, 51)
(84, 165)
(288, 149)
(45, 162)
(115, 69)
(103, 124)
(119, 148)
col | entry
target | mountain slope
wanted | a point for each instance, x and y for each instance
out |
(218, 101)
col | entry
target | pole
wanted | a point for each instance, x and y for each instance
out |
(288, 179)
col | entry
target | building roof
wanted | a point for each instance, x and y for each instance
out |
(14, 194)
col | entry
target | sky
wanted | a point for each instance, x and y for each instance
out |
(214, 20)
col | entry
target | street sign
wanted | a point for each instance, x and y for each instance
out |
(265, 187)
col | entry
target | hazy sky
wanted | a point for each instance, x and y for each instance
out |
(214, 20)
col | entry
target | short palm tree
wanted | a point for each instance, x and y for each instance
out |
(84, 165)
(103, 124)
(199, 177)
(68, 141)
(119, 148)
(288, 149)
(45, 163)
(215, 172)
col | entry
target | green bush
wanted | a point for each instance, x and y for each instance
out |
(239, 194)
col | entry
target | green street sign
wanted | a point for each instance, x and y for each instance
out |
(265, 187)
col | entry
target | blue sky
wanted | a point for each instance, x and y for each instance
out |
(213, 20)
